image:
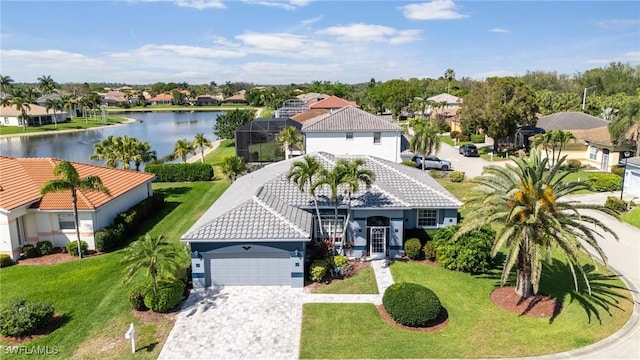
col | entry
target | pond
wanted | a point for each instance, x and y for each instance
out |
(160, 129)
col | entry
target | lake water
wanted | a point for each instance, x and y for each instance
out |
(160, 129)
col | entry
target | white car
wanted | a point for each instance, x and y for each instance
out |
(432, 162)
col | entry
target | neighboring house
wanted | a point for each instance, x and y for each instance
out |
(236, 99)
(114, 98)
(257, 141)
(202, 100)
(446, 106)
(332, 103)
(38, 116)
(593, 146)
(310, 98)
(260, 231)
(309, 114)
(351, 131)
(161, 99)
(27, 217)
(42, 100)
(291, 107)
(632, 175)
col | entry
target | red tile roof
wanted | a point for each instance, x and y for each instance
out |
(21, 179)
(332, 102)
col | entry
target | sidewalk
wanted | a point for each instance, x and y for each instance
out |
(198, 156)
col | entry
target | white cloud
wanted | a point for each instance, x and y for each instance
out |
(371, 33)
(287, 5)
(499, 30)
(616, 23)
(201, 4)
(435, 10)
(627, 57)
(177, 50)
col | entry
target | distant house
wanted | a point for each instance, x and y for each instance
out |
(161, 99)
(205, 100)
(291, 107)
(351, 131)
(310, 98)
(594, 145)
(38, 116)
(235, 99)
(332, 103)
(42, 100)
(445, 106)
(257, 141)
(114, 98)
(27, 217)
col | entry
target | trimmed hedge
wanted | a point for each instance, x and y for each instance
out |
(5, 260)
(603, 182)
(477, 139)
(413, 249)
(573, 164)
(616, 204)
(45, 247)
(72, 247)
(457, 176)
(136, 298)
(470, 253)
(170, 294)
(618, 170)
(30, 251)
(411, 304)
(430, 251)
(319, 270)
(181, 172)
(19, 318)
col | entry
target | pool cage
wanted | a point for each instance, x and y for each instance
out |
(257, 141)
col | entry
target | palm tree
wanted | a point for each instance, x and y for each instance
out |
(182, 149)
(561, 139)
(125, 150)
(291, 139)
(55, 104)
(233, 166)
(544, 141)
(425, 140)
(143, 153)
(627, 119)
(524, 200)
(353, 177)
(334, 179)
(106, 150)
(449, 75)
(302, 173)
(159, 257)
(6, 83)
(70, 105)
(46, 84)
(201, 142)
(72, 181)
(20, 99)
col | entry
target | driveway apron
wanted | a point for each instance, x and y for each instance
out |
(237, 322)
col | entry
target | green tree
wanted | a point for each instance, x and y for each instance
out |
(233, 166)
(154, 255)
(201, 142)
(20, 99)
(106, 150)
(70, 104)
(227, 124)
(143, 153)
(182, 149)
(523, 200)
(557, 140)
(291, 139)
(47, 84)
(302, 173)
(450, 76)
(6, 83)
(56, 105)
(425, 140)
(628, 118)
(354, 175)
(70, 180)
(334, 179)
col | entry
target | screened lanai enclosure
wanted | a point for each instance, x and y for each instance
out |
(257, 141)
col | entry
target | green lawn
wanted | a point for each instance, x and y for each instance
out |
(632, 217)
(225, 149)
(476, 327)
(90, 295)
(74, 124)
(364, 282)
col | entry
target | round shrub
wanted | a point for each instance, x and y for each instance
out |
(603, 182)
(413, 249)
(346, 269)
(169, 295)
(411, 304)
(430, 251)
(136, 298)
(30, 251)
(457, 176)
(72, 247)
(45, 247)
(18, 318)
(339, 260)
(616, 204)
(470, 253)
(318, 270)
(573, 164)
(618, 170)
(5, 260)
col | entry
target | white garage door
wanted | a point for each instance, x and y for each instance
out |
(259, 269)
(633, 181)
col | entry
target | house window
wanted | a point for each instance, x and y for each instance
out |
(349, 136)
(593, 153)
(66, 221)
(376, 138)
(6, 121)
(427, 218)
(328, 225)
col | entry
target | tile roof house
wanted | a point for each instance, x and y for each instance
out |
(28, 217)
(235, 99)
(351, 131)
(260, 230)
(594, 145)
(161, 99)
(38, 116)
(332, 103)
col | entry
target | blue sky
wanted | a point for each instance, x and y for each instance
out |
(296, 41)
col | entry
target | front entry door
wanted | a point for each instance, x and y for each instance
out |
(604, 166)
(378, 237)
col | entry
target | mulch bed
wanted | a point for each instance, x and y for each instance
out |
(535, 306)
(56, 323)
(310, 286)
(438, 324)
(151, 316)
(56, 257)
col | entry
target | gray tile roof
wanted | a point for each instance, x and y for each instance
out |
(265, 205)
(349, 118)
(570, 120)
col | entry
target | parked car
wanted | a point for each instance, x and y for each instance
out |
(469, 150)
(432, 162)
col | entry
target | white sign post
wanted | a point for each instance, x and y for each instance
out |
(131, 335)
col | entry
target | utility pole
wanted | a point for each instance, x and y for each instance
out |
(584, 95)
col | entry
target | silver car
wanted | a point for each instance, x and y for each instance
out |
(432, 162)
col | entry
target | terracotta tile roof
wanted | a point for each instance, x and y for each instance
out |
(237, 97)
(332, 102)
(162, 97)
(309, 114)
(21, 179)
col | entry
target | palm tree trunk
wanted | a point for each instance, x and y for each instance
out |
(335, 226)
(202, 153)
(524, 287)
(346, 223)
(55, 121)
(74, 198)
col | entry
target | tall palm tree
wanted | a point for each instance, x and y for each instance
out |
(125, 149)
(544, 141)
(70, 104)
(56, 105)
(233, 166)
(353, 177)
(46, 84)
(524, 199)
(333, 179)
(302, 173)
(425, 140)
(449, 75)
(143, 153)
(106, 150)
(561, 139)
(182, 149)
(290, 139)
(154, 255)
(6, 83)
(71, 181)
(201, 142)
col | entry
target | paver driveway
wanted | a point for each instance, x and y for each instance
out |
(248, 322)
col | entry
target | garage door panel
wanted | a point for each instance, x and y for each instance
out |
(251, 269)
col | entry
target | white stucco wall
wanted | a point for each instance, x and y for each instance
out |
(106, 213)
(361, 144)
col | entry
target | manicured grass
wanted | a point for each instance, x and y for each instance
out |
(448, 140)
(476, 327)
(90, 294)
(632, 217)
(73, 124)
(225, 149)
(364, 282)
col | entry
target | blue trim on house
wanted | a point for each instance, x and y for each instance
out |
(396, 247)
(297, 274)
(397, 219)
(359, 219)
(197, 275)
(359, 247)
